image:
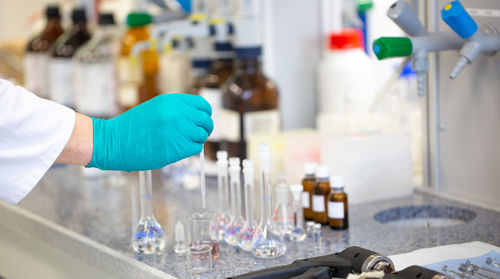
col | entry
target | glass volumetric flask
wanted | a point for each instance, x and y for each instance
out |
(148, 235)
(223, 216)
(248, 230)
(199, 232)
(234, 227)
(266, 243)
(283, 213)
(298, 233)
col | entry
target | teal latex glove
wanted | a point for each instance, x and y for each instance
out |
(161, 131)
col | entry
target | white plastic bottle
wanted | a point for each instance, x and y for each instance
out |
(345, 83)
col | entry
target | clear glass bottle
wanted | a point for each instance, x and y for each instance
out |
(283, 212)
(37, 50)
(223, 216)
(309, 230)
(266, 243)
(248, 230)
(61, 64)
(95, 61)
(138, 76)
(148, 237)
(234, 227)
(308, 184)
(298, 233)
(338, 217)
(320, 195)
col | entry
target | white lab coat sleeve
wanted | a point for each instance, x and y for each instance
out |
(33, 132)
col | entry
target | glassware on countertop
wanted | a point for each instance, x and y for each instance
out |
(199, 232)
(266, 243)
(320, 195)
(298, 233)
(283, 213)
(148, 237)
(338, 217)
(234, 227)
(180, 239)
(199, 259)
(308, 184)
(248, 230)
(223, 216)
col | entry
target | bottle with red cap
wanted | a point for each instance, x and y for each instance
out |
(345, 83)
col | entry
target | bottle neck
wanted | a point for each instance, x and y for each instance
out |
(53, 23)
(337, 190)
(80, 26)
(249, 65)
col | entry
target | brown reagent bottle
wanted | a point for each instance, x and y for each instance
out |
(320, 195)
(250, 102)
(338, 217)
(308, 184)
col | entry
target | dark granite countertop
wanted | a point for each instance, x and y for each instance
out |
(103, 215)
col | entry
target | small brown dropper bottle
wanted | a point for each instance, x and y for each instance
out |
(338, 217)
(308, 184)
(320, 195)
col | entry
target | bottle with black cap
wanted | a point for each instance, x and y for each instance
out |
(61, 65)
(36, 58)
(96, 62)
(250, 99)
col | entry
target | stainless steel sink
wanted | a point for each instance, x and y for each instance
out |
(424, 216)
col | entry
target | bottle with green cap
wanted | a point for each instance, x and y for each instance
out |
(386, 47)
(137, 75)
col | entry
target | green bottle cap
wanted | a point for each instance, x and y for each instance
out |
(364, 5)
(136, 19)
(386, 47)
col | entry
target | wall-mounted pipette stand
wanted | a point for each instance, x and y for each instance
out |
(418, 45)
(486, 41)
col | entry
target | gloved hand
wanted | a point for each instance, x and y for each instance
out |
(161, 131)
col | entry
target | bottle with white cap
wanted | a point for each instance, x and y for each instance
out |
(308, 184)
(337, 205)
(320, 195)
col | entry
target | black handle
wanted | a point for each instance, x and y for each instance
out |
(337, 266)
(315, 273)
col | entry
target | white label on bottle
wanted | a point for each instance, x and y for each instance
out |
(61, 71)
(318, 203)
(336, 210)
(305, 200)
(96, 89)
(129, 76)
(214, 98)
(230, 124)
(35, 73)
(261, 122)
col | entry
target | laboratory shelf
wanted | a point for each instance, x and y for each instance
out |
(92, 222)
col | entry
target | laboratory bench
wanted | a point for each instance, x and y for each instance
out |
(92, 222)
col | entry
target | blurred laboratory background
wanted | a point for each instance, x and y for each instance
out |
(398, 101)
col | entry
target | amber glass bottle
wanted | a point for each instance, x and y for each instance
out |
(308, 184)
(320, 195)
(250, 102)
(61, 65)
(138, 76)
(338, 217)
(221, 69)
(36, 59)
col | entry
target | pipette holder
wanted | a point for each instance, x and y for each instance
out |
(418, 45)
(486, 41)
